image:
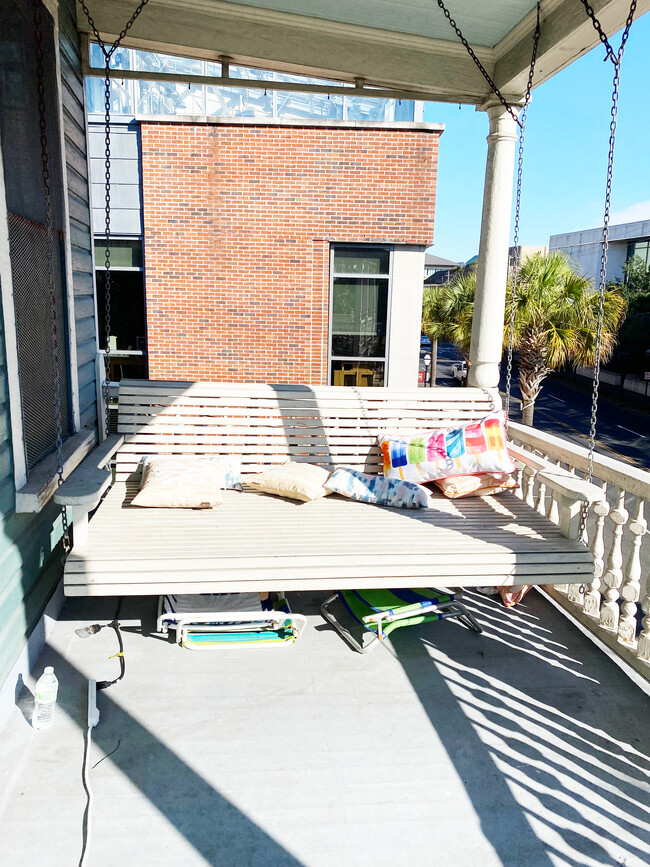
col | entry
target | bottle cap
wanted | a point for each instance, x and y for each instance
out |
(48, 670)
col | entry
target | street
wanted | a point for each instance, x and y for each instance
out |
(564, 409)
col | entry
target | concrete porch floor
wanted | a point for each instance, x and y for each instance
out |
(524, 746)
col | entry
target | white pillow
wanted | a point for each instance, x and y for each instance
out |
(181, 482)
(296, 480)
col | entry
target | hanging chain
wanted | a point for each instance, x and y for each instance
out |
(107, 249)
(616, 58)
(108, 54)
(486, 75)
(515, 241)
(51, 280)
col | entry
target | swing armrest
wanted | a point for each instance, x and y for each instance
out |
(570, 492)
(90, 480)
(557, 478)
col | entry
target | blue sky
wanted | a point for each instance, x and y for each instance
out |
(565, 160)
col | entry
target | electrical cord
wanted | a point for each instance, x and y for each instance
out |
(89, 800)
(104, 684)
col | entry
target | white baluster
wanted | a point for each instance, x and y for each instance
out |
(540, 505)
(529, 485)
(613, 577)
(591, 603)
(541, 499)
(643, 647)
(519, 475)
(632, 579)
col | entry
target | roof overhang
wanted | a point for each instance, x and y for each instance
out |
(414, 50)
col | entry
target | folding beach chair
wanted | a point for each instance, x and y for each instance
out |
(381, 611)
(212, 620)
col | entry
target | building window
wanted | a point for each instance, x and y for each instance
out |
(640, 249)
(359, 315)
(128, 340)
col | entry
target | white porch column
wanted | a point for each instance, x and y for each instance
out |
(489, 307)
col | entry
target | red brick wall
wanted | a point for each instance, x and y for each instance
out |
(238, 221)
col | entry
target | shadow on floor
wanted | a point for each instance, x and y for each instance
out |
(530, 737)
(209, 822)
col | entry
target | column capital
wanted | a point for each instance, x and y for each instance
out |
(502, 124)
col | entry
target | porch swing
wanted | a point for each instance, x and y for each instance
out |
(262, 543)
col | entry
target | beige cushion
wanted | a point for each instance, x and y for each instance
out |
(475, 486)
(295, 480)
(181, 482)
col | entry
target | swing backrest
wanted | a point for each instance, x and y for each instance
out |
(265, 425)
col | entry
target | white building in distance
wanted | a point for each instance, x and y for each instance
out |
(585, 248)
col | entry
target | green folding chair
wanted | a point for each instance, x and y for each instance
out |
(379, 612)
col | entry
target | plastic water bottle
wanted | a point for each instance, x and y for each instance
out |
(45, 700)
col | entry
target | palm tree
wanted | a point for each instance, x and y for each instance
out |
(556, 321)
(556, 317)
(447, 312)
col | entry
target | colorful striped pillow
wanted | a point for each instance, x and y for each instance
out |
(376, 489)
(476, 447)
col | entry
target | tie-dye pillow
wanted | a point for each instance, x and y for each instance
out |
(376, 489)
(476, 447)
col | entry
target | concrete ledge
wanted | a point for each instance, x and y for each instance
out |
(410, 126)
(43, 479)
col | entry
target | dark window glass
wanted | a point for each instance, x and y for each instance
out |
(128, 327)
(124, 254)
(359, 308)
(360, 261)
(359, 373)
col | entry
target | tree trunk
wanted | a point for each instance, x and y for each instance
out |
(532, 372)
(527, 412)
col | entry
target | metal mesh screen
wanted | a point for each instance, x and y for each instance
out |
(29, 269)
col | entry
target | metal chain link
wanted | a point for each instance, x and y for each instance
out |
(515, 241)
(51, 280)
(108, 54)
(107, 250)
(616, 58)
(495, 90)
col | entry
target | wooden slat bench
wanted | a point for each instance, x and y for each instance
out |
(258, 542)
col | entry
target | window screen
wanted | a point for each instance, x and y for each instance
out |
(21, 155)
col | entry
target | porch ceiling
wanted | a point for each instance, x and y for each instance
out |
(405, 46)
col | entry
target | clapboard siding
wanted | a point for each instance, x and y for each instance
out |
(72, 92)
(28, 571)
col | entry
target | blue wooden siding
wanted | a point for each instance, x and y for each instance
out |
(30, 551)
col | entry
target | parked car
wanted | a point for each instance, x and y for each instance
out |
(459, 371)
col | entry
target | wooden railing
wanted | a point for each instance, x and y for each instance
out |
(616, 532)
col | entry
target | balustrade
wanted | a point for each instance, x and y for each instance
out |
(615, 532)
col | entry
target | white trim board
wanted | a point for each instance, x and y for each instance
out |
(73, 371)
(11, 342)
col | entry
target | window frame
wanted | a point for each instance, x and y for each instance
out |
(334, 247)
(75, 444)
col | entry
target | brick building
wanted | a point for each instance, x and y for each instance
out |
(266, 237)
(286, 252)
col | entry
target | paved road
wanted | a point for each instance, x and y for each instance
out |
(564, 409)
